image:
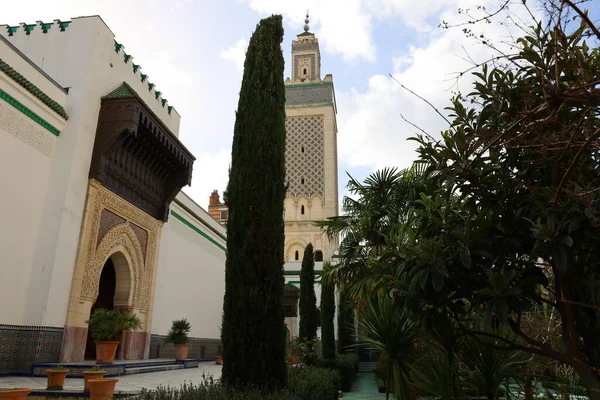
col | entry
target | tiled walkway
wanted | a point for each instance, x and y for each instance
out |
(364, 388)
(127, 383)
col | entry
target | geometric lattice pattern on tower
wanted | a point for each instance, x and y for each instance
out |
(304, 155)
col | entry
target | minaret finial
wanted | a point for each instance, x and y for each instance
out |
(306, 21)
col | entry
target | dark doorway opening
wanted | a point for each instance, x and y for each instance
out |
(105, 299)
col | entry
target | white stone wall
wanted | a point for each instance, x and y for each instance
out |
(26, 156)
(191, 272)
(83, 59)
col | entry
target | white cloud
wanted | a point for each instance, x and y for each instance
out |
(345, 27)
(211, 171)
(372, 131)
(236, 54)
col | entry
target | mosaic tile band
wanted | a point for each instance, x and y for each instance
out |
(21, 346)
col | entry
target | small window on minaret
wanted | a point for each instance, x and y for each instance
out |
(302, 149)
(302, 210)
(302, 181)
(296, 255)
(304, 71)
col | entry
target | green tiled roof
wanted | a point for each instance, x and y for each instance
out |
(31, 88)
(288, 287)
(297, 272)
(122, 92)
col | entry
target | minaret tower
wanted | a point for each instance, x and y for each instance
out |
(311, 151)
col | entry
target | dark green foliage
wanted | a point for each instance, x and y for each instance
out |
(208, 389)
(309, 315)
(308, 383)
(306, 351)
(253, 332)
(347, 367)
(313, 383)
(109, 324)
(327, 317)
(387, 327)
(346, 335)
(179, 332)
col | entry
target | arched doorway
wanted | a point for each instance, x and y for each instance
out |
(106, 299)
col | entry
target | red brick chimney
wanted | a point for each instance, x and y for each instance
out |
(214, 198)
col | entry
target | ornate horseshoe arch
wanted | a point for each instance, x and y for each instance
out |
(119, 238)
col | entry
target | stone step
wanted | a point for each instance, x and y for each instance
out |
(156, 368)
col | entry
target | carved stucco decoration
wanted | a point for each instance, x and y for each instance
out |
(291, 244)
(119, 236)
(97, 254)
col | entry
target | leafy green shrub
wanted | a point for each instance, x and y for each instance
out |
(208, 389)
(179, 332)
(314, 383)
(110, 324)
(347, 367)
(304, 351)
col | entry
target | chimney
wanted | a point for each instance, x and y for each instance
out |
(214, 198)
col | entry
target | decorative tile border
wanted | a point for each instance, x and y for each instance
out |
(197, 230)
(34, 90)
(33, 116)
(22, 346)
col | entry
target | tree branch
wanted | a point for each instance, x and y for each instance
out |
(572, 165)
(584, 16)
(419, 128)
(425, 100)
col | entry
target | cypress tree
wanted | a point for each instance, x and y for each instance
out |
(346, 336)
(327, 317)
(309, 315)
(253, 332)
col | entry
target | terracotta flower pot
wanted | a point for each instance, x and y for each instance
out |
(106, 351)
(181, 351)
(56, 378)
(102, 389)
(14, 394)
(88, 375)
(219, 360)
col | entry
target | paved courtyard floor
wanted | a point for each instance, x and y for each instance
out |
(127, 383)
(364, 388)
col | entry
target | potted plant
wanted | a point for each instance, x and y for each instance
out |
(56, 377)
(102, 389)
(93, 373)
(219, 357)
(15, 394)
(107, 327)
(178, 335)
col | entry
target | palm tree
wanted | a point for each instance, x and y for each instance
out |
(374, 212)
(488, 367)
(388, 328)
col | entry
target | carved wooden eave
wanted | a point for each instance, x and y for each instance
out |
(136, 156)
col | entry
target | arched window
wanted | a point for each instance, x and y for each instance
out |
(296, 255)
(318, 255)
(302, 210)
(304, 71)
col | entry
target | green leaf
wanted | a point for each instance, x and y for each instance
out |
(559, 255)
(465, 257)
(567, 241)
(423, 278)
(438, 281)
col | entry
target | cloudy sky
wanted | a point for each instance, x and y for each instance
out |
(194, 51)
